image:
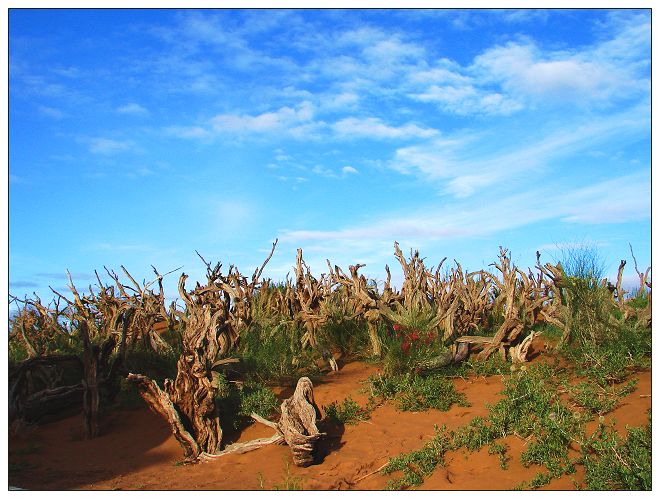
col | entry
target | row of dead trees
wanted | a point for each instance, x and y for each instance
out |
(110, 320)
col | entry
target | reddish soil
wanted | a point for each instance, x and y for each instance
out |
(137, 451)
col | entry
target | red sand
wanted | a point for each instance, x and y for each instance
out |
(137, 451)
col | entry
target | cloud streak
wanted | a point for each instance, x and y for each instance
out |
(446, 161)
(618, 200)
(105, 146)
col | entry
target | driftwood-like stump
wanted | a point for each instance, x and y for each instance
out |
(520, 352)
(297, 428)
(298, 423)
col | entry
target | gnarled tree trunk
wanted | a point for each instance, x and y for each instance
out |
(188, 402)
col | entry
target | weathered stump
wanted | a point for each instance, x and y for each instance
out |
(520, 352)
(297, 428)
(298, 423)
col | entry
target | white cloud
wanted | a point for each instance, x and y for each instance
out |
(133, 109)
(69, 72)
(523, 15)
(324, 172)
(392, 51)
(281, 120)
(344, 100)
(348, 170)
(507, 78)
(238, 211)
(629, 196)
(374, 128)
(618, 200)
(141, 172)
(102, 145)
(51, 112)
(615, 68)
(112, 247)
(523, 71)
(187, 132)
(468, 162)
(467, 99)
(297, 180)
(281, 156)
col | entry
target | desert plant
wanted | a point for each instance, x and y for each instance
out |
(598, 399)
(530, 409)
(615, 463)
(416, 393)
(347, 412)
(275, 354)
(237, 403)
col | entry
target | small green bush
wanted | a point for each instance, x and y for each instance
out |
(416, 393)
(597, 399)
(235, 405)
(348, 412)
(258, 399)
(612, 360)
(274, 353)
(530, 409)
(615, 463)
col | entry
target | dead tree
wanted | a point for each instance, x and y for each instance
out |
(100, 373)
(188, 402)
(211, 322)
(309, 293)
(39, 327)
(363, 300)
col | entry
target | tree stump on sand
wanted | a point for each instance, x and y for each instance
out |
(297, 427)
(298, 423)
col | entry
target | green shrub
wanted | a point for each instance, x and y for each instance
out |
(348, 412)
(597, 399)
(274, 353)
(615, 463)
(417, 464)
(409, 348)
(530, 409)
(612, 360)
(640, 299)
(258, 399)
(235, 405)
(416, 393)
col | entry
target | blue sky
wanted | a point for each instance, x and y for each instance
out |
(139, 136)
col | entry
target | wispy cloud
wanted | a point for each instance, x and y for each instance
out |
(51, 112)
(187, 132)
(133, 109)
(62, 275)
(468, 99)
(579, 78)
(374, 128)
(105, 146)
(140, 172)
(23, 284)
(628, 196)
(120, 247)
(513, 76)
(295, 121)
(446, 161)
(339, 101)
